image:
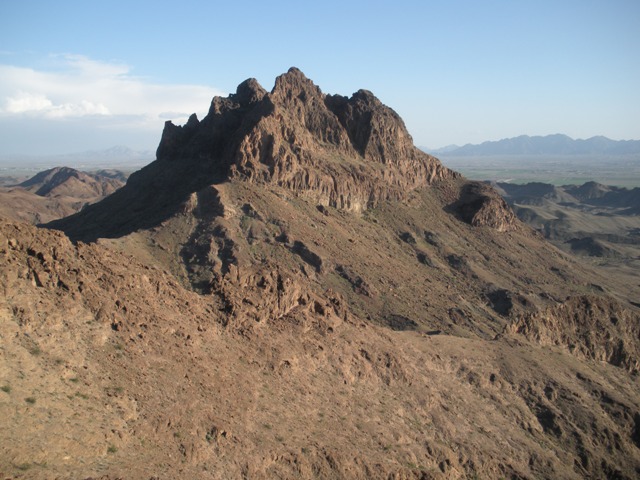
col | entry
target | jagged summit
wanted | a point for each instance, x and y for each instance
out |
(347, 153)
(294, 83)
(287, 135)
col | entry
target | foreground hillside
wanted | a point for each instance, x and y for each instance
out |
(292, 290)
(111, 367)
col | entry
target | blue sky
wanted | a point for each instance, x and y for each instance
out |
(80, 75)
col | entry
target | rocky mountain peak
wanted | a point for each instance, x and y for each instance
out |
(295, 136)
(294, 83)
(350, 153)
(50, 177)
(376, 131)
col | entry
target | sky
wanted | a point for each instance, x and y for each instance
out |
(89, 75)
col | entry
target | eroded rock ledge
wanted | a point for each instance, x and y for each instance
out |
(588, 326)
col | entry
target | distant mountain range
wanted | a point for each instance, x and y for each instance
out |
(557, 144)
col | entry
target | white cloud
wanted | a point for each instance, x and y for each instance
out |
(27, 102)
(36, 103)
(80, 87)
(82, 104)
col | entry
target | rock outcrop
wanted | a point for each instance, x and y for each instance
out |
(480, 205)
(588, 326)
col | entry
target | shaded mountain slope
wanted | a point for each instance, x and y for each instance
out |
(534, 193)
(293, 290)
(591, 193)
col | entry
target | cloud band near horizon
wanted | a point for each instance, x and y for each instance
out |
(103, 94)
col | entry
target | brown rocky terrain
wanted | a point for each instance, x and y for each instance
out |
(292, 290)
(56, 193)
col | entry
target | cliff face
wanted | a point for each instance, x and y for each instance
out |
(481, 206)
(587, 326)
